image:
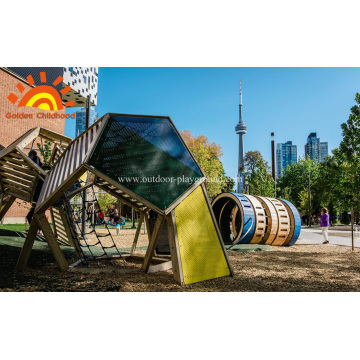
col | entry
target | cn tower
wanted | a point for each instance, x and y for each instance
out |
(240, 129)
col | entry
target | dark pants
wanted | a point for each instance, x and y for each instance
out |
(37, 191)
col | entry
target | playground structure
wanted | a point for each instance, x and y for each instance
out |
(247, 219)
(20, 177)
(143, 162)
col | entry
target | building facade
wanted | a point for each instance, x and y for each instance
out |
(315, 149)
(286, 153)
(83, 82)
(324, 151)
(81, 120)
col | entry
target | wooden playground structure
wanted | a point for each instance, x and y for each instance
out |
(111, 155)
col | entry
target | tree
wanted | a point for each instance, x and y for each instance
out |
(207, 155)
(260, 181)
(304, 201)
(296, 177)
(349, 156)
(229, 184)
(105, 201)
(252, 159)
(45, 151)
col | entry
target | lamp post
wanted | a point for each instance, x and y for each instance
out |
(309, 195)
(273, 159)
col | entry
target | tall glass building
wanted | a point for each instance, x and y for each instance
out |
(286, 154)
(315, 149)
(324, 151)
(81, 119)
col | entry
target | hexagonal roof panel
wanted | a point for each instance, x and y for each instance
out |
(147, 155)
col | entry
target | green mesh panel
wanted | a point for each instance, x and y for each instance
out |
(133, 150)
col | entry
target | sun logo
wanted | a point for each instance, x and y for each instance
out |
(43, 97)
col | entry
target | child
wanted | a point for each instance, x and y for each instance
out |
(118, 220)
(111, 214)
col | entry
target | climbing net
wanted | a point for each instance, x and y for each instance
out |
(89, 249)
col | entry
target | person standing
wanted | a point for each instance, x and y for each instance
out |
(324, 224)
(111, 214)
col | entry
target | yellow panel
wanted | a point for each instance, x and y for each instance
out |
(201, 253)
(83, 178)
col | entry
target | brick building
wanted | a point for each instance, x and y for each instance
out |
(12, 128)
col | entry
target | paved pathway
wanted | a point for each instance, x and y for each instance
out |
(336, 237)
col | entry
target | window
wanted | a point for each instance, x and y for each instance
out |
(84, 77)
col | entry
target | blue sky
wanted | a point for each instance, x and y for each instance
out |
(292, 102)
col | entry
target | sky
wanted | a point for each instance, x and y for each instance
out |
(291, 102)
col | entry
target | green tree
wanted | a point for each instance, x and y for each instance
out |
(260, 181)
(229, 184)
(252, 159)
(349, 157)
(304, 200)
(105, 201)
(45, 151)
(296, 177)
(208, 156)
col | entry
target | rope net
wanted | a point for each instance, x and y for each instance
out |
(95, 248)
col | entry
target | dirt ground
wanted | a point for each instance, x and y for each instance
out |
(296, 268)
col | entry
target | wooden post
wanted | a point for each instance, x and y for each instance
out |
(133, 248)
(153, 242)
(51, 240)
(7, 206)
(148, 230)
(352, 228)
(174, 249)
(27, 247)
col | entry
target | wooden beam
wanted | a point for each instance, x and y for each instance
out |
(125, 190)
(27, 247)
(24, 139)
(147, 224)
(31, 163)
(66, 227)
(119, 197)
(51, 240)
(153, 242)
(141, 257)
(6, 163)
(7, 206)
(160, 267)
(54, 136)
(57, 192)
(133, 248)
(174, 248)
(53, 221)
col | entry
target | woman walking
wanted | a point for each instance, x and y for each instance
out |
(324, 224)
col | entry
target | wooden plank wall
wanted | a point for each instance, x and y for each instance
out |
(70, 160)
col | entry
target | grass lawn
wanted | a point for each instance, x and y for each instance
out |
(14, 227)
(21, 227)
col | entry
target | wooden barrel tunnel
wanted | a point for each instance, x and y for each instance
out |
(248, 219)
